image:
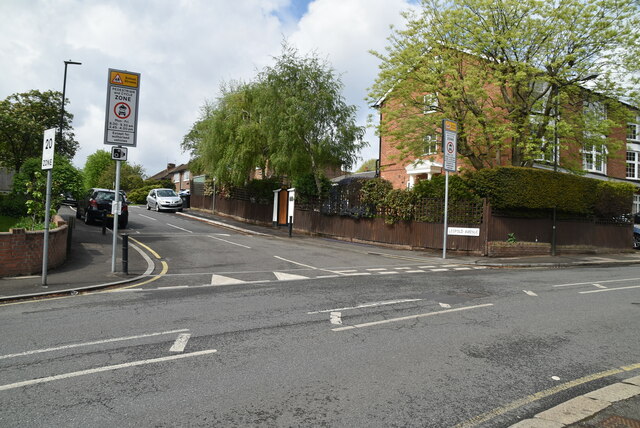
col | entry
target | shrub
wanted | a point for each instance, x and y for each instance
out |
(399, 205)
(373, 194)
(306, 189)
(13, 205)
(459, 190)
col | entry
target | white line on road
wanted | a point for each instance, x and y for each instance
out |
(295, 263)
(445, 305)
(146, 216)
(180, 343)
(228, 242)
(609, 289)
(97, 342)
(282, 276)
(599, 282)
(335, 318)
(365, 305)
(224, 280)
(102, 369)
(411, 317)
(599, 286)
(530, 293)
(177, 227)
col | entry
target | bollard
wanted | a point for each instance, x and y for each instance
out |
(104, 223)
(125, 253)
(290, 226)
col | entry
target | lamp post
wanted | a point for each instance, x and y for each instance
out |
(47, 205)
(64, 91)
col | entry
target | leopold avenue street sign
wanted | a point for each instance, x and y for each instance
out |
(121, 121)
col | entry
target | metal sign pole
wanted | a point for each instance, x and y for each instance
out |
(47, 220)
(450, 150)
(115, 211)
(446, 212)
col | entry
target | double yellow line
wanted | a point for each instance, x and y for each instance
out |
(165, 266)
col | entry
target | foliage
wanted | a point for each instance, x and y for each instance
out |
(509, 74)
(399, 205)
(262, 190)
(511, 238)
(100, 171)
(31, 181)
(374, 193)
(369, 165)
(23, 119)
(7, 222)
(536, 189)
(13, 205)
(435, 188)
(307, 190)
(290, 121)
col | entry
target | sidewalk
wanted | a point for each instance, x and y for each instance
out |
(88, 267)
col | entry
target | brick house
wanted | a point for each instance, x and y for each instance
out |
(622, 165)
(179, 175)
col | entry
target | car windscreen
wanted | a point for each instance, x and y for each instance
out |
(166, 192)
(105, 196)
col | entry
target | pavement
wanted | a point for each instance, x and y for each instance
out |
(90, 266)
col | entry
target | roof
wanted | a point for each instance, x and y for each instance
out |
(169, 171)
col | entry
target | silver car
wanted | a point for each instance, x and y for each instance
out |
(164, 199)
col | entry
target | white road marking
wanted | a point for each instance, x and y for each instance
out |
(402, 268)
(599, 282)
(555, 377)
(479, 267)
(288, 276)
(530, 293)
(462, 268)
(96, 342)
(146, 216)
(426, 267)
(295, 263)
(415, 271)
(228, 242)
(439, 270)
(609, 289)
(180, 228)
(103, 369)
(327, 276)
(171, 287)
(411, 317)
(365, 305)
(180, 343)
(388, 272)
(445, 305)
(224, 280)
(372, 270)
(599, 286)
(357, 274)
(335, 318)
(345, 271)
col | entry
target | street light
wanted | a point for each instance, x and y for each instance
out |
(64, 90)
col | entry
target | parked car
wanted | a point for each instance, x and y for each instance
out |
(184, 192)
(636, 236)
(68, 199)
(96, 205)
(164, 199)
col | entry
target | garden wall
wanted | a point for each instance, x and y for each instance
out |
(21, 250)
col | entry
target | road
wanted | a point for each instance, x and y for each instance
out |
(251, 330)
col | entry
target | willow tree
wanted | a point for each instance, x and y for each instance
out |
(291, 121)
(514, 74)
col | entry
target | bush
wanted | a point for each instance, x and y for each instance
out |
(13, 205)
(261, 191)
(613, 199)
(374, 193)
(306, 189)
(459, 190)
(399, 205)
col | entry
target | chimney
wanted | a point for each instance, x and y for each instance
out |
(170, 166)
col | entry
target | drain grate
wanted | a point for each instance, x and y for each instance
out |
(619, 422)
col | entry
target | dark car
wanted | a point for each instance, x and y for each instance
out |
(96, 205)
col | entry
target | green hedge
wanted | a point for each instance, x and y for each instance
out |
(510, 188)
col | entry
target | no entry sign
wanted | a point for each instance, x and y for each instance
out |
(121, 121)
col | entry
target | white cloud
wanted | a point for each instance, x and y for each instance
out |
(184, 50)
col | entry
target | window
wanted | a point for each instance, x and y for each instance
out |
(185, 176)
(176, 177)
(633, 165)
(633, 131)
(430, 145)
(430, 103)
(636, 204)
(594, 158)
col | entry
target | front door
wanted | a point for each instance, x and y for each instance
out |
(283, 203)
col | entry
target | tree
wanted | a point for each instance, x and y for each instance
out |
(291, 121)
(100, 171)
(23, 120)
(369, 165)
(514, 74)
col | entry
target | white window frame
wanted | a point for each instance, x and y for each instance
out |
(185, 176)
(176, 177)
(633, 131)
(594, 159)
(430, 144)
(636, 204)
(430, 103)
(633, 164)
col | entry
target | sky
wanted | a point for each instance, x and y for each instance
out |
(184, 50)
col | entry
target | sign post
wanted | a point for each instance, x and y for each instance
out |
(120, 129)
(450, 149)
(48, 145)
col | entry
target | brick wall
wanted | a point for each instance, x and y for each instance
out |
(21, 250)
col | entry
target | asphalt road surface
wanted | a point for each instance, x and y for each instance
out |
(250, 330)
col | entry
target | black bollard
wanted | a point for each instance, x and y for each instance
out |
(290, 226)
(125, 253)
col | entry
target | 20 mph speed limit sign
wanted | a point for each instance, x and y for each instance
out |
(450, 141)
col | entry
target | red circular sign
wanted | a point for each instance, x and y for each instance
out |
(122, 110)
(450, 147)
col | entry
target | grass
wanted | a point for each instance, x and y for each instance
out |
(7, 222)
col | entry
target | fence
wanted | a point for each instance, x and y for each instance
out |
(343, 220)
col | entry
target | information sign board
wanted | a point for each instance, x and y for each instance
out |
(48, 145)
(121, 118)
(449, 144)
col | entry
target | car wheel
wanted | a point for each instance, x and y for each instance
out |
(157, 207)
(636, 241)
(148, 207)
(78, 215)
(87, 218)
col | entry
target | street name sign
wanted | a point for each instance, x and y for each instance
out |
(463, 231)
(121, 118)
(449, 144)
(48, 145)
